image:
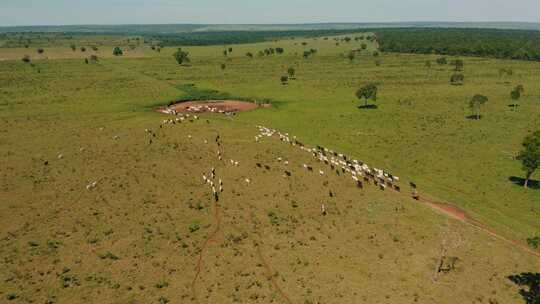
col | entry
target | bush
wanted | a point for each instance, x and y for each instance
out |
(40, 51)
(534, 242)
(118, 51)
(83, 49)
(26, 58)
(193, 227)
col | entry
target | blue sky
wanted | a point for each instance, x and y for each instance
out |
(57, 12)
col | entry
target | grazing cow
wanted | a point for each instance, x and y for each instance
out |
(267, 167)
(330, 193)
(359, 184)
(259, 165)
(323, 209)
(287, 173)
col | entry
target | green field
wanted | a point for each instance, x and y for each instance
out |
(129, 239)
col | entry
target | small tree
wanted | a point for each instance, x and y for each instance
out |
(230, 50)
(181, 56)
(223, 66)
(367, 92)
(363, 46)
(457, 79)
(351, 55)
(476, 103)
(83, 49)
(458, 65)
(284, 80)
(530, 155)
(292, 72)
(40, 51)
(26, 59)
(442, 61)
(515, 95)
(249, 55)
(95, 48)
(73, 47)
(280, 50)
(225, 53)
(118, 51)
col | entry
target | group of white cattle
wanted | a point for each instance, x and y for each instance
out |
(337, 162)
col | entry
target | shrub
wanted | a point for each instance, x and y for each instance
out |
(26, 58)
(193, 227)
(534, 242)
(118, 51)
(40, 51)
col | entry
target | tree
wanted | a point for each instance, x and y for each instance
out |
(280, 50)
(291, 71)
(442, 61)
(284, 80)
(225, 53)
(515, 95)
(306, 54)
(458, 64)
(94, 58)
(376, 54)
(530, 155)
(347, 39)
(363, 46)
(351, 55)
(223, 66)
(250, 55)
(531, 280)
(95, 48)
(73, 47)
(83, 49)
(118, 51)
(367, 92)
(26, 58)
(40, 51)
(457, 79)
(230, 50)
(476, 103)
(181, 56)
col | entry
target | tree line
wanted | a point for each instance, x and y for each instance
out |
(503, 44)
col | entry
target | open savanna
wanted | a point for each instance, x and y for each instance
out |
(138, 236)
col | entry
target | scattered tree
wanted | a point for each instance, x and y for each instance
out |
(280, 50)
(458, 65)
(73, 47)
(530, 155)
(223, 66)
(515, 95)
(181, 56)
(225, 53)
(476, 103)
(284, 80)
(95, 48)
(26, 59)
(230, 50)
(250, 55)
(83, 49)
(367, 92)
(457, 79)
(292, 72)
(351, 55)
(40, 51)
(118, 51)
(363, 46)
(531, 280)
(442, 61)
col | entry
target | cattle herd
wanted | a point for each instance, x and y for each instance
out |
(339, 163)
(334, 162)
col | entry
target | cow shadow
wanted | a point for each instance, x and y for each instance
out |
(369, 107)
(533, 184)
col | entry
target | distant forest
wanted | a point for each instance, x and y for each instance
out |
(236, 37)
(504, 44)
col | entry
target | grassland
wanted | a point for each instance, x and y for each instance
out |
(138, 237)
